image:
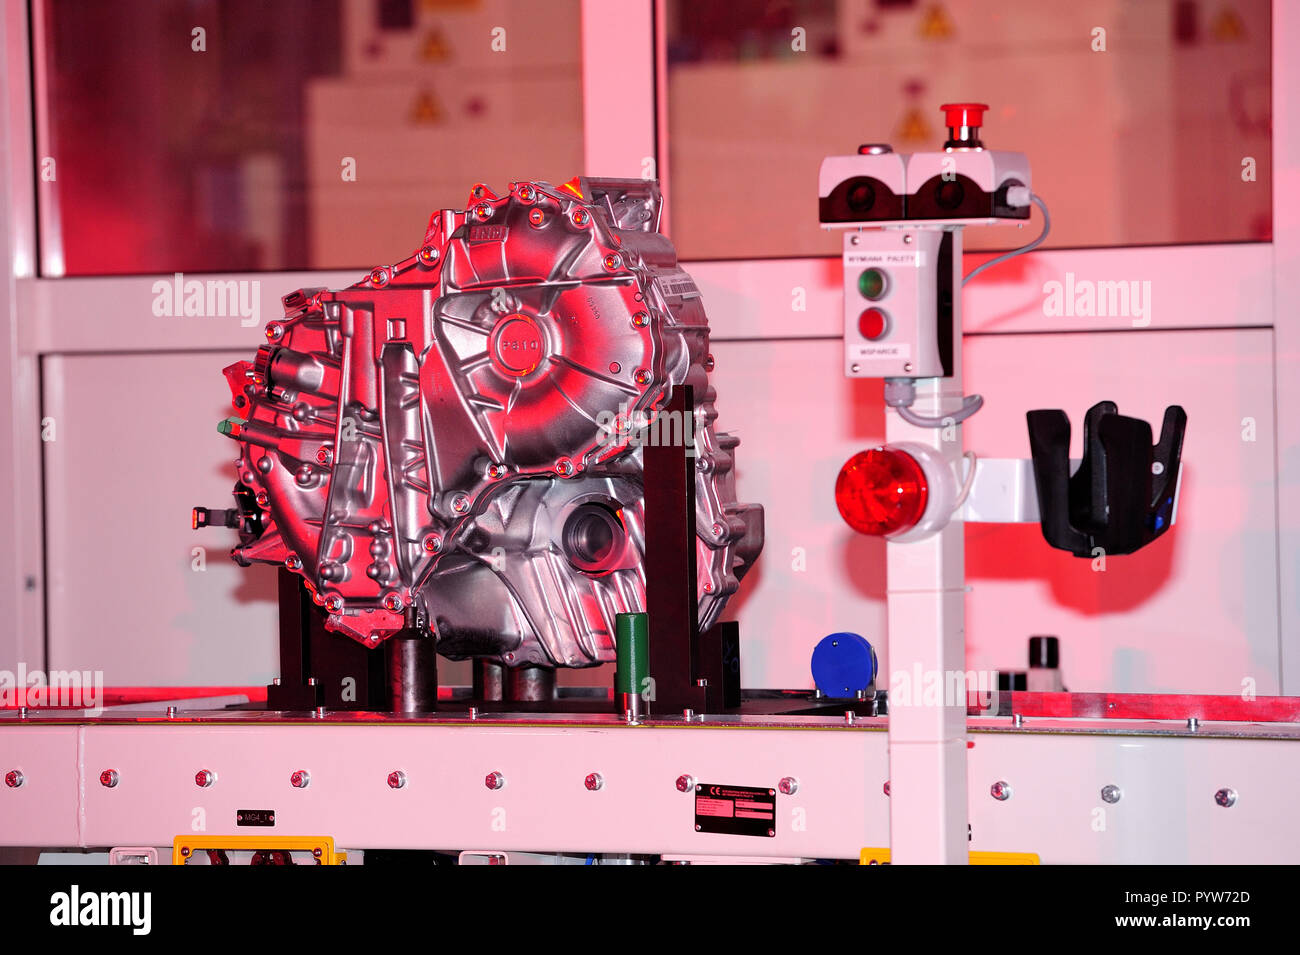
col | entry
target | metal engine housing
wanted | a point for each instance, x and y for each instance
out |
(454, 442)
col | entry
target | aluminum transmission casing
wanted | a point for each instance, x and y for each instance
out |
(453, 443)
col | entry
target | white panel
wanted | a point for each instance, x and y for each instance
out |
(117, 314)
(1194, 612)
(1286, 278)
(839, 806)
(799, 419)
(136, 447)
(618, 88)
(46, 809)
(1166, 812)
(774, 298)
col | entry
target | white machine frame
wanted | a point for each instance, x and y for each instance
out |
(1167, 772)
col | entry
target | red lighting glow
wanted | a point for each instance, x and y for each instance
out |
(881, 492)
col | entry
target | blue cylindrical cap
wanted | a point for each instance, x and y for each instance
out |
(843, 664)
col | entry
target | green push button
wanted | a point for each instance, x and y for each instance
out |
(871, 283)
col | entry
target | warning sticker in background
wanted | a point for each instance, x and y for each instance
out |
(735, 810)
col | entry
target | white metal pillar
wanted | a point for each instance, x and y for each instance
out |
(927, 647)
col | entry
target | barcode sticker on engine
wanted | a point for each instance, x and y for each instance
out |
(682, 288)
(735, 810)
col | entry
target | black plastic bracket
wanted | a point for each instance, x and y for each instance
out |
(1122, 496)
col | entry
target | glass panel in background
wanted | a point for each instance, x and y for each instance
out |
(239, 156)
(1140, 143)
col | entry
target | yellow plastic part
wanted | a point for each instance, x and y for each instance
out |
(322, 847)
(881, 857)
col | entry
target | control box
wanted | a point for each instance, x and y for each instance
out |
(898, 303)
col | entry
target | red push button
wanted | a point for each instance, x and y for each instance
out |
(964, 114)
(873, 324)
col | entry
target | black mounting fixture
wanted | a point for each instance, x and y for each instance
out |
(691, 669)
(319, 668)
(1122, 496)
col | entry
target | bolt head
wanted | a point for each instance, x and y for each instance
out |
(1227, 798)
(685, 783)
(1111, 794)
(108, 778)
(788, 786)
(300, 779)
(1000, 790)
(594, 781)
(14, 778)
(396, 779)
(494, 781)
(886, 787)
(204, 778)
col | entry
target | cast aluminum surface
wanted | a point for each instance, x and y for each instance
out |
(455, 442)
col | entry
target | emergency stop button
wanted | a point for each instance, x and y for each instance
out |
(516, 345)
